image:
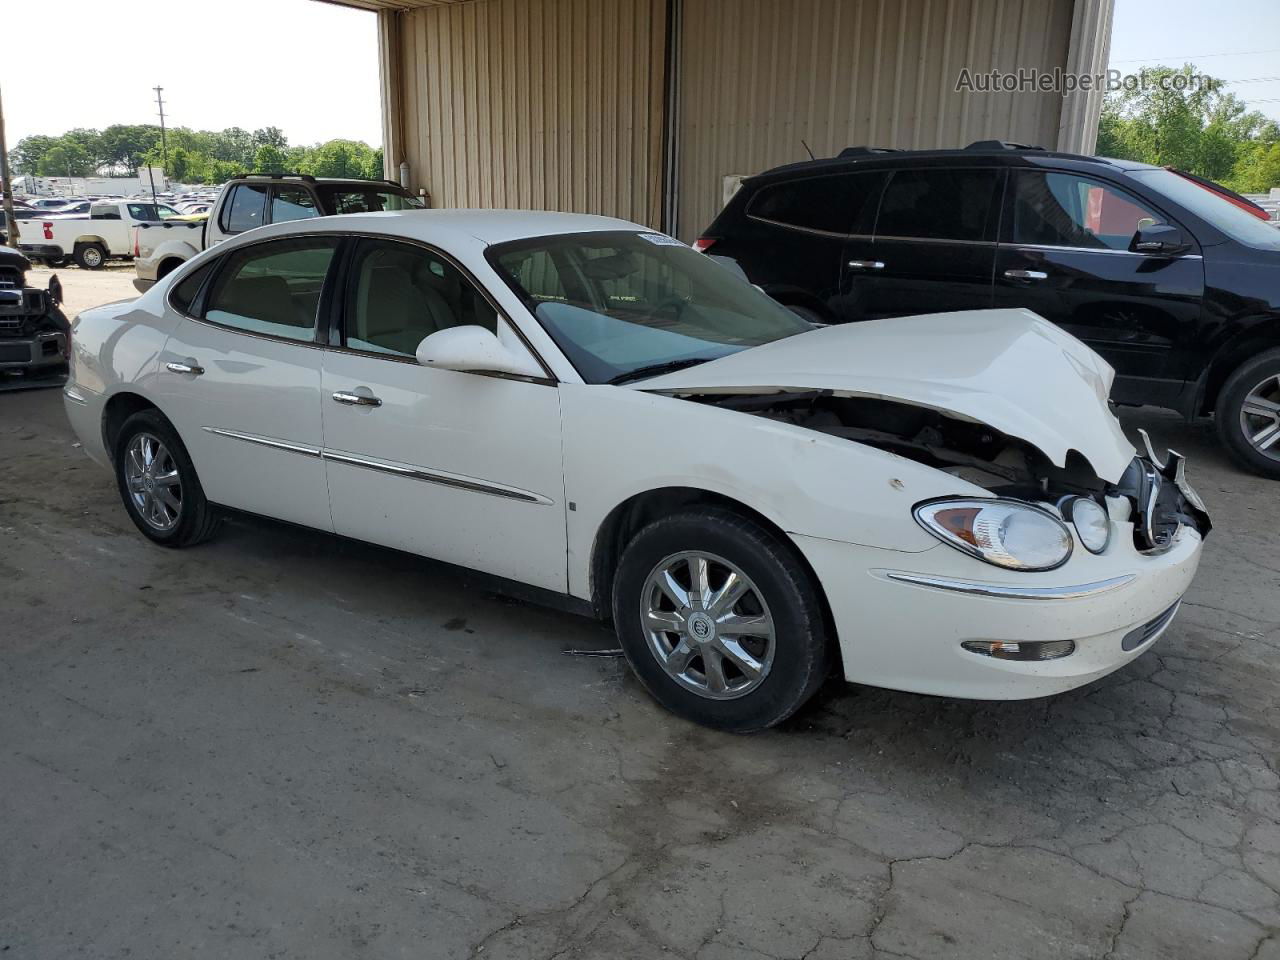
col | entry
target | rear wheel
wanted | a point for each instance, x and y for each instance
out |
(91, 256)
(1248, 414)
(158, 483)
(720, 620)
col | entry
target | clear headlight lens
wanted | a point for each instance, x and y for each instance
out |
(1006, 533)
(1092, 524)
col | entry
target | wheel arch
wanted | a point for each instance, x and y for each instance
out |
(119, 407)
(168, 265)
(1261, 336)
(633, 513)
(88, 239)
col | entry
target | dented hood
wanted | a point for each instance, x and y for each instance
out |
(1008, 369)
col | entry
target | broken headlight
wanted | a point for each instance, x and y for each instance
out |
(1006, 533)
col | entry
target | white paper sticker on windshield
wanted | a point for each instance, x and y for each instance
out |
(662, 240)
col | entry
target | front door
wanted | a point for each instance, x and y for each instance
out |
(1065, 255)
(934, 244)
(239, 377)
(462, 467)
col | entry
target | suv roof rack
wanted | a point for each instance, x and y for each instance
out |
(865, 151)
(275, 176)
(1001, 145)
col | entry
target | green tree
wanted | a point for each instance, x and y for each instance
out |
(269, 159)
(1259, 170)
(123, 146)
(339, 158)
(28, 152)
(270, 137)
(66, 158)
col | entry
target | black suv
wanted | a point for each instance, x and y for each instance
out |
(1174, 280)
(34, 333)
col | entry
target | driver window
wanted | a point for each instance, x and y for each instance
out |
(1064, 210)
(399, 294)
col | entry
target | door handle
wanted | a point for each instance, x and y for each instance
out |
(1026, 275)
(867, 264)
(185, 366)
(356, 399)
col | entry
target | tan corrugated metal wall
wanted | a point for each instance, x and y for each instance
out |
(758, 76)
(540, 104)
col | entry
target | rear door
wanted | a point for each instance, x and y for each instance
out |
(1065, 254)
(934, 245)
(244, 208)
(796, 233)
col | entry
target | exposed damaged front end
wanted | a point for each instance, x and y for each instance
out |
(34, 333)
(1152, 492)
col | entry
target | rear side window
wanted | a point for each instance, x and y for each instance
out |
(107, 211)
(937, 204)
(245, 208)
(292, 203)
(842, 203)
(272, 288)
(185, 290)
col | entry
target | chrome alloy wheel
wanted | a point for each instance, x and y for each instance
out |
(151, 476)
(1260, 417)
(707, 625)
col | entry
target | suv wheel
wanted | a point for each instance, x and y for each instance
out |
(1248, 414)
(158, 483)
(91, 256)
(720, 620)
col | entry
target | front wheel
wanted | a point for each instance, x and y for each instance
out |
(1248, 414)
(720, 620)
(158, 483)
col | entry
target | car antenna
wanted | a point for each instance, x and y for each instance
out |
(807, 150)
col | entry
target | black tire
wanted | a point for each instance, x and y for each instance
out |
(801, 647)
(196, 518)
(91, 256)
(1247, 378)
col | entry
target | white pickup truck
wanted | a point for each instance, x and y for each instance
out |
(105, 233)
(250, 201)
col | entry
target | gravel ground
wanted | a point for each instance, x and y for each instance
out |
(282, 744)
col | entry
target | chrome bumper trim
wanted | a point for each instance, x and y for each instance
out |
(1008, 592)
(74, 397)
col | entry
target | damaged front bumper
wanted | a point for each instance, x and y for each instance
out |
(941, 622)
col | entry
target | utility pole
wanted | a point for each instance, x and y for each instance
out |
(6, 185)
(164, 147)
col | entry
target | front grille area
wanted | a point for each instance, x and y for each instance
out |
(1140, 635)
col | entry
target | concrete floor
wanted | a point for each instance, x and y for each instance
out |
(281, 744)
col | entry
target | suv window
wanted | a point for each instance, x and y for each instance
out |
(843, 203)
(400, 294)
(272, 288)
(351, 198)
(937, 204)
(244, 207)
(1067, 210)
(292, 203)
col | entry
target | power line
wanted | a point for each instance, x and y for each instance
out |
(1201, 56)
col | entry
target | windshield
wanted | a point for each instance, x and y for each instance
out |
(1204, 203)
(618, 303)
(350, 198)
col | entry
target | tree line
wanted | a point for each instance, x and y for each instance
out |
(192, 156)
(1198, 127)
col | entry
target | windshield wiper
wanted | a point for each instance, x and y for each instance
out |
(657, 369)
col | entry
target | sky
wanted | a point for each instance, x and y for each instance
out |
(1234, 40)
(312, 68)
(309, 68)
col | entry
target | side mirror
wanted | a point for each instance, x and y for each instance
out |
(472, 348)
(1161, 239)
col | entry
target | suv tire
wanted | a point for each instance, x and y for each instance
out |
(702, 668)
(1247, 414)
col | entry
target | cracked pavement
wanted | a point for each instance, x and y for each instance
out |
(282, 744)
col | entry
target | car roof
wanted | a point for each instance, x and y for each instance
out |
(980, 154)
(439, 226)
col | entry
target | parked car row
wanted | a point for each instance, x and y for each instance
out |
(1174, 281)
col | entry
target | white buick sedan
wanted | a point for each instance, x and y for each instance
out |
(598, 416)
